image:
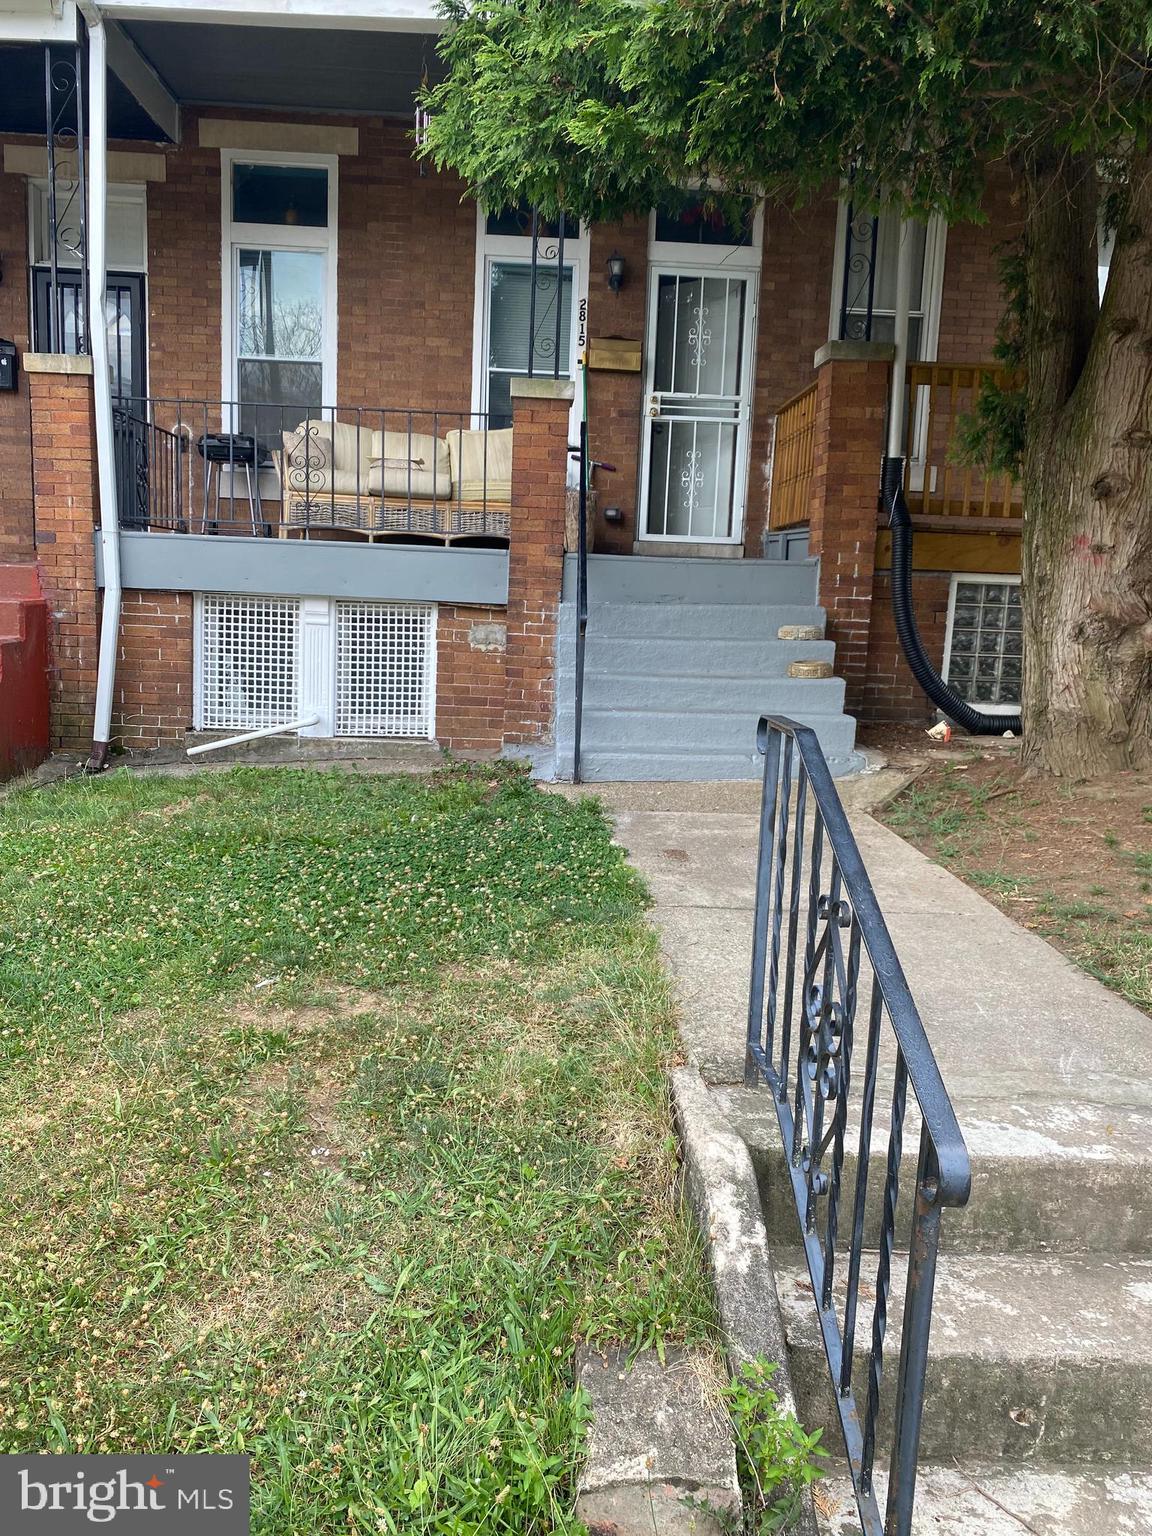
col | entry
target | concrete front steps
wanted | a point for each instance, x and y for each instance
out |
(682, 658)
(1038, 1410)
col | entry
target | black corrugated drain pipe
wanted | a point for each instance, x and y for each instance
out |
(951, 704)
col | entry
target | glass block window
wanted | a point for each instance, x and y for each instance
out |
(246, 655)
(985, 653)
(385, 656)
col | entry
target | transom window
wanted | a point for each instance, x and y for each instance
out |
(280, 314)
(697, 220)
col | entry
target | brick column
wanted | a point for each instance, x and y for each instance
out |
(66, 502)
(540, 416)
(851, 414)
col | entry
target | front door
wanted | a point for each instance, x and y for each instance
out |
(698, 406)
(124, 317)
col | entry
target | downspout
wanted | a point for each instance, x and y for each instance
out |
(948, 702)
(102, 384)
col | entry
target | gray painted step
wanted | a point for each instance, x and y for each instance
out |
(651, 730)
(982, 1500)
(1045, 1178)
(746, 697)
(673, 657)
(1032, 1358)
(647, 579)
(680, 621)
(698, 766)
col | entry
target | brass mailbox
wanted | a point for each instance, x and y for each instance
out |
(609, 353)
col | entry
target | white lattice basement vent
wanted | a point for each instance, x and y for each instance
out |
(366, 669)
(984, 642)
(385, 669)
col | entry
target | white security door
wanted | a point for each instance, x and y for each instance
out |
(698, 406)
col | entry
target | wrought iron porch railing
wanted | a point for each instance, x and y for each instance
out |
(212, 466)
(822, 957)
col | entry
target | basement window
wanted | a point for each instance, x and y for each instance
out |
(984, 642)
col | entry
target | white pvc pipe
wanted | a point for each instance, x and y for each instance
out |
(900, 337)
(267, 730)
(102, 385)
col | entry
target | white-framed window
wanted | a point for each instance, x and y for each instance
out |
(512, 324)
(278, 269)
(984, 642)
(127, 228)
(364, 668)
(854, 257)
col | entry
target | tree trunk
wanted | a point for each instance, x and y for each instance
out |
(1087, 555)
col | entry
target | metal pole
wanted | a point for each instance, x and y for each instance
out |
(102, 393)
(53, 273)
(532, 299)
(900, 337)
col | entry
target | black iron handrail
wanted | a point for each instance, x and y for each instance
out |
(812, 889)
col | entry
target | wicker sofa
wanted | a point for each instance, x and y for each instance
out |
(337, 475)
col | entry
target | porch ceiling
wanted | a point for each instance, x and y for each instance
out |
(288, 67)
(22, 97)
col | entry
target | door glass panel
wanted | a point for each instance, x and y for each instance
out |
(699, 335)
(697, 406)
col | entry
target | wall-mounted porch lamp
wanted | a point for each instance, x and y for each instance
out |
(616, 269)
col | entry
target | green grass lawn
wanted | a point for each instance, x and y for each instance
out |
(333, 1117)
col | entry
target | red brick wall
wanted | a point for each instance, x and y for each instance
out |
(972, 302)
(891, 693)
(616, 400)
(471, 645)
(795, 303)
(535, 559)
(64, 479)
(153, 700)
(15, 444)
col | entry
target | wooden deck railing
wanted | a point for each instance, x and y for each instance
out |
(792, 460)
(939, 394)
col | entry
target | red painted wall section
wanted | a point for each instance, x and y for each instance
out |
(24, 726)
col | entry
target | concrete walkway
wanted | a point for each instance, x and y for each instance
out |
(1043, 1332)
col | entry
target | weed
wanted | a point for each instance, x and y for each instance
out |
(776, 1459)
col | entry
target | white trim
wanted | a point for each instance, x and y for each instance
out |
(45, 22)
(361, 15)
(277, 237)
(987, 579)
(517, 248)
(932, 285)
(743, 419)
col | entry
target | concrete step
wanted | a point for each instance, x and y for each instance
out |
(599, 766)
(747, 697)
(668, 656)
(686, 621)
(642, 579)
(978, 1500)
(1045, 1178)
(818, 704)
(1032, 1358)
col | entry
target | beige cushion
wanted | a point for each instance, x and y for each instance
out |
(415, 464)
(481, 465)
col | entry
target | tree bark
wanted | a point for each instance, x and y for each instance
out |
(1087, 547)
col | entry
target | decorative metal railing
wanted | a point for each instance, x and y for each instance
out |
(67, 232)
(218, 467)
(858, 288)
(822, 959)
(935, 485)
(793, 459)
